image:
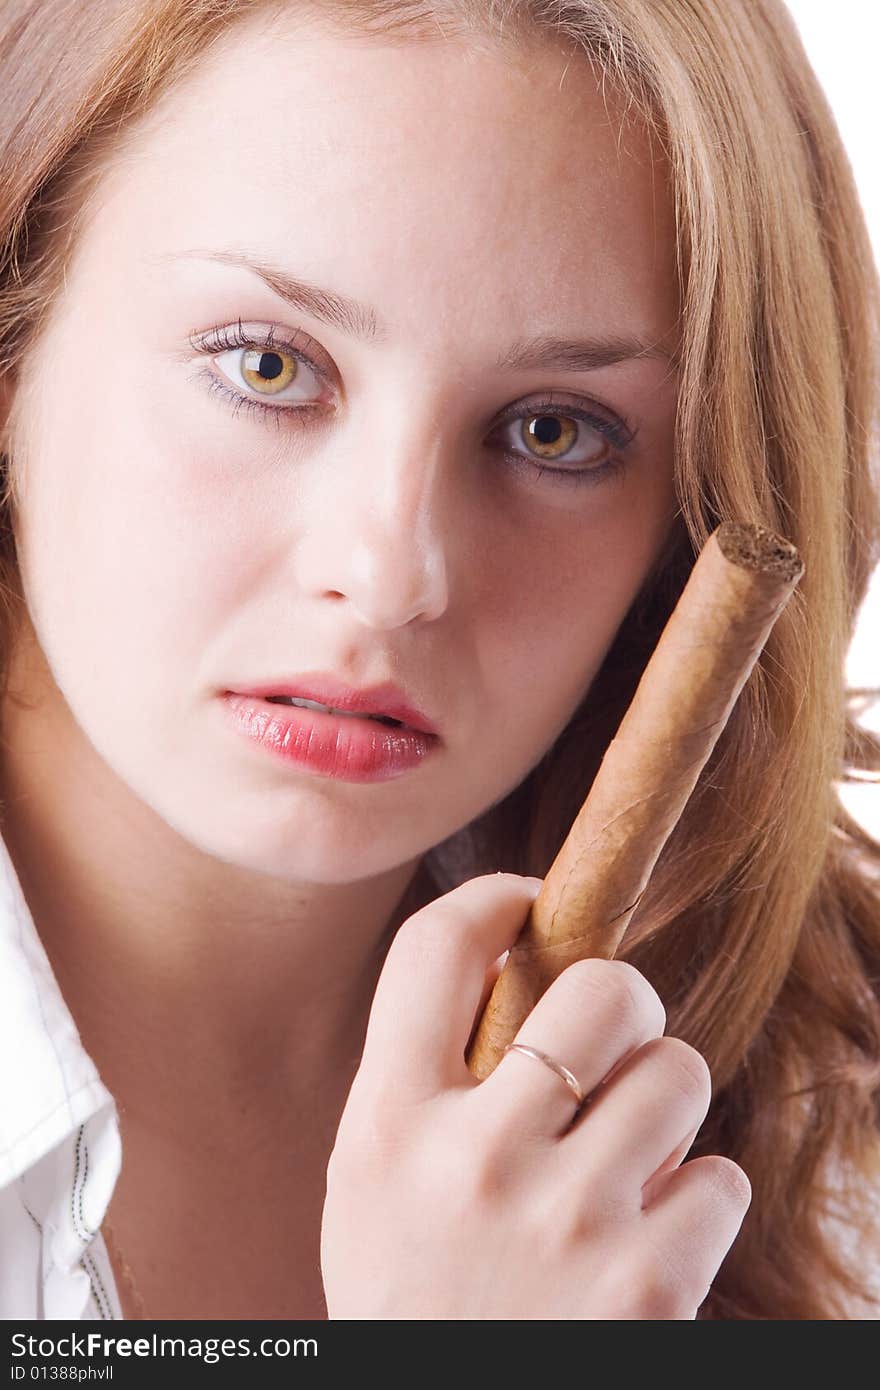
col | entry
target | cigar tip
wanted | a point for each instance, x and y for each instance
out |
(758, 548)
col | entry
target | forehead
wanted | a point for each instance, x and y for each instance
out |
(405, 173)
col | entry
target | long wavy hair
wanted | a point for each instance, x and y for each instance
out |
(760, 928)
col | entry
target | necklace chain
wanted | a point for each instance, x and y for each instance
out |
(128, 1277)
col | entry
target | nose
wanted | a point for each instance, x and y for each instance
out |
(375, 535)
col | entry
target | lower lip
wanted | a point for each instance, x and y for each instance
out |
(354, 750)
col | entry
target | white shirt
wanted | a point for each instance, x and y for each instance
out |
(60, 1148)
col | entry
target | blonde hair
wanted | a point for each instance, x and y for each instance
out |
(760, 927)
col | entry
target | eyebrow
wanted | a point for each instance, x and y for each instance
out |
(360, 321)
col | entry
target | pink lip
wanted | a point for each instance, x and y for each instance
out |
(331, 745)
(326, 689)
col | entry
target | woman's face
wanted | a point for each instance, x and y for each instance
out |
(383, 517)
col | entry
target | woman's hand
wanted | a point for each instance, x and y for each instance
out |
(451, 1198)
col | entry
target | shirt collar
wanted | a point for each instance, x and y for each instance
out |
(49, 1085)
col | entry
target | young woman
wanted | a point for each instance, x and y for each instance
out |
(400, 358)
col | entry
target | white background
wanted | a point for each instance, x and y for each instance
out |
(843, 44)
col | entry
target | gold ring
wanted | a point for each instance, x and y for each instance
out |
(568, 1077)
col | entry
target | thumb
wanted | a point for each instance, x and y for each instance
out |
(492, 974)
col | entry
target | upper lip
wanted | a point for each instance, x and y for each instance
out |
(327, 689)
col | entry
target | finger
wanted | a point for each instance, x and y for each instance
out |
(652, 1187)
(694, 1220)
(424, 1007)
(593, 1014)
(492, 974)
(635, 1122)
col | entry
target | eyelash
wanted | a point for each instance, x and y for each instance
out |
(619, 434)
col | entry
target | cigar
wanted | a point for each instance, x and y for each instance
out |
(740, 583)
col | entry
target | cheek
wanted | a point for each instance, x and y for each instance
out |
(131, 552)
(563, 602)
